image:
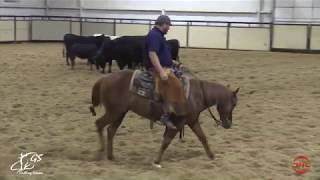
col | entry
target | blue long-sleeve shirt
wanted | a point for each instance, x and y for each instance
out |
(155, 41)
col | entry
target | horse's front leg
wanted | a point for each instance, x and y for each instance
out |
(72, 58)
(101, 123)
(196, 128)
(112, 129)
(110, 66)
(103, 66)
(169, 134)
(130, 65)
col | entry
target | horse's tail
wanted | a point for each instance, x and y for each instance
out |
(95, 97)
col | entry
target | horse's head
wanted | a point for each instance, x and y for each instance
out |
(225, 108)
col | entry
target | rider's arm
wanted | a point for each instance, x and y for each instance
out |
(154, 44)
(155, 62)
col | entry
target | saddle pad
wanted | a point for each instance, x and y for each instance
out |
(142, 84)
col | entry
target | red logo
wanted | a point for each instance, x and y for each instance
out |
(301, 164)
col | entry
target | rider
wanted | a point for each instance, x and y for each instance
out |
(158, 60)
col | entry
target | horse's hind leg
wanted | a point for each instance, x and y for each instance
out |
(72, 58)
(181, 135)
(112, 129)
(196, 128)
(100, 124)
(169, 134)
(110, 66)
(67, 56)
(130, 65)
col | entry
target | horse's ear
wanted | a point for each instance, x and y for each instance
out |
(236, 91)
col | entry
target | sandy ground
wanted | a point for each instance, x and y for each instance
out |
(44, 108)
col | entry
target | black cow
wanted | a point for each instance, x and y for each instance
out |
(83, 51)
(70, 39)
(128, 51)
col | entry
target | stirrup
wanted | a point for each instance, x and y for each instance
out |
(166, 121)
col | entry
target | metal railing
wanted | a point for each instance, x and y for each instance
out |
(185, 23)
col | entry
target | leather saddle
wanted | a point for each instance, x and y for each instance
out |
(142, 84)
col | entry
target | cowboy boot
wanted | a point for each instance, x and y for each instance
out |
(165, 119)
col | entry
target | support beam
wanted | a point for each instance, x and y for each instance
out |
(80, 8)
(46, 6)
(273, 11)
(261, 8)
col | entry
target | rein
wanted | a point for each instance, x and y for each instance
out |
(218, 122)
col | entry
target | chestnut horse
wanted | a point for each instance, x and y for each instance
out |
(113, 93)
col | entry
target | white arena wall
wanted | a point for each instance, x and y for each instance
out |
(23, 30)
(264, 37)
(49, 30)
(197, 24)
(90, 28)
(290, 36)
(249, 38)
(315, 38)
(208, 37)
(6, 30)
(131, 29)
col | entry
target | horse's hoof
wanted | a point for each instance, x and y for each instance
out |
(93, 112)
(111, 158)
(211, 156)
(156, 165)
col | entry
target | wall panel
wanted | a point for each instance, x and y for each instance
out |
(89, 28)
(62, 3)
(178, 32)
(249, 38)
(176, 5)
(208, 37)
(131, 29)
(24, 3)
(49, 30)
(315, 38)
(75, 28)
(6, 30)
(290, 36)
(23, 30)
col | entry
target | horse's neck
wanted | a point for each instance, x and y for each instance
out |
(211, 93)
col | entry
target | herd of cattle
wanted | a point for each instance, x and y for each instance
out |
(100, 50)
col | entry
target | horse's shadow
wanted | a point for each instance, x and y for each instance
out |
(134, 159)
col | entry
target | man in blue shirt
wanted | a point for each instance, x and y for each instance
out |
(158, 59)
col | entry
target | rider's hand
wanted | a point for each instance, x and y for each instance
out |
(163, 76)
(177, 64)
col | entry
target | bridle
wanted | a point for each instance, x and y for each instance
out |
(218, 122)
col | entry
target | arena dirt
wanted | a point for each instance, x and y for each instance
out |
(44, 108)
